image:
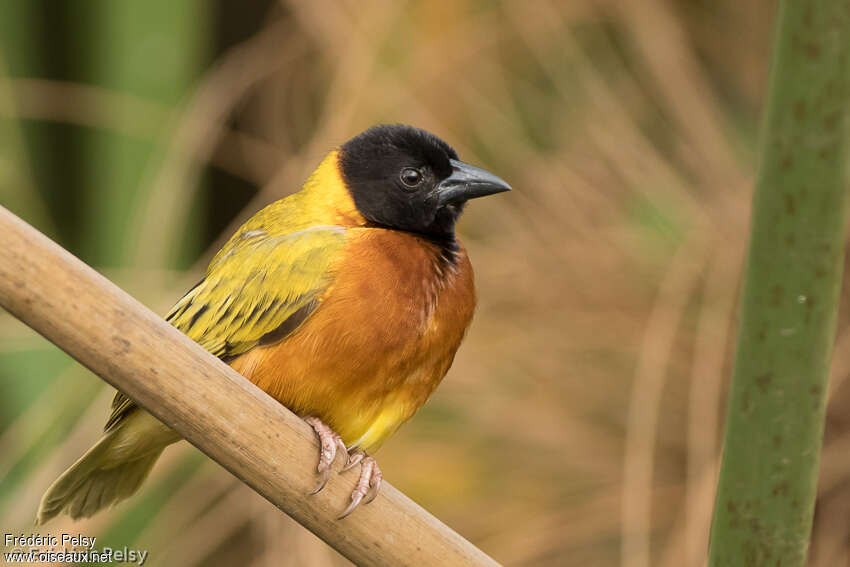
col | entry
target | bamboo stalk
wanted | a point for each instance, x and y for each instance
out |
(209, 404)
(775, 418)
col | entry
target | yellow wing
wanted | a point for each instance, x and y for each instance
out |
(258, 289)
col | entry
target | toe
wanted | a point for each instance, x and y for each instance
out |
(329, 441)
(323, 480)
(375, 484)
(356, 497)
(343, 449)
(368, 483)
(353, 459)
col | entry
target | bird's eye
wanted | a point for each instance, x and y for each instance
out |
(411, 177)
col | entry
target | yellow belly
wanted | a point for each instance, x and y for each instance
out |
(370, 434)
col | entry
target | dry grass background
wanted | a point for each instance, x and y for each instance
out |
(580, 422)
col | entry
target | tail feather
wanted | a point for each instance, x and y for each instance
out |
(112, 470)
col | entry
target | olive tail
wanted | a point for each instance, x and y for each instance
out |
(112, 470)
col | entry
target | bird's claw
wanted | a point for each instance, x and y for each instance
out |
(353, 459)
(376, 483)
(323, 480)
(329, 441)
(356, 497)
(369, 482)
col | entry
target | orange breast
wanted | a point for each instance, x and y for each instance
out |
(381, 340)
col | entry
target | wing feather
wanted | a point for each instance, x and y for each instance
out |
(258, 290)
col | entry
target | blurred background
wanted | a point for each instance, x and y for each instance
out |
(580, 422)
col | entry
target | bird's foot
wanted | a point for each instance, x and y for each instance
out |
(369, 483)
(370, 477)
(329, 441)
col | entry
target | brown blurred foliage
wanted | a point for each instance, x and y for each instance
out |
(580, 422)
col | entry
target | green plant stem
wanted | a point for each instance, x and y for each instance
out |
(21, 145)
(768, 479)
(153, 49)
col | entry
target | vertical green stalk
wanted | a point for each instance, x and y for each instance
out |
(21, 145)
(152, 49)
(768, 479)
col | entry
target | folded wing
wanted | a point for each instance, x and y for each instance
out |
(257, 290)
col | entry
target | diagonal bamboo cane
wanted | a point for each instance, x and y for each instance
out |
(209, 404)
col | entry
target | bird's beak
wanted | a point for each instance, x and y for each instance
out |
(468, 182)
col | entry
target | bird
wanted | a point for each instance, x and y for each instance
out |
(345, 301)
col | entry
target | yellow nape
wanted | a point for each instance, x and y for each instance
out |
(325, 196)
(323, 201)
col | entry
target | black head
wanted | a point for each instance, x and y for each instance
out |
(405, 178)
